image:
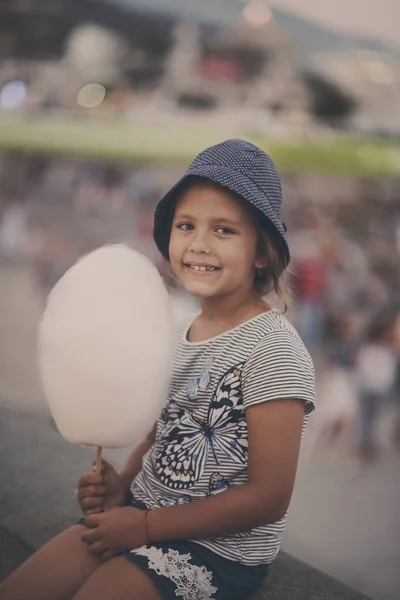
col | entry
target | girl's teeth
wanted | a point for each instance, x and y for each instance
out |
(197, 268)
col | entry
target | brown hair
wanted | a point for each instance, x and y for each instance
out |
(273, 277)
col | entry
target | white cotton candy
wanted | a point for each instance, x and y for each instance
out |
(105, 348)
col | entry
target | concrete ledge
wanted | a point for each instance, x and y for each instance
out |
(13, 552)
(291, 579)
(38, 477)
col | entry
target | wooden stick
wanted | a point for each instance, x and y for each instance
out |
(98, 460)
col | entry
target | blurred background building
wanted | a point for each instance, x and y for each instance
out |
(102, 105)
(293, 73)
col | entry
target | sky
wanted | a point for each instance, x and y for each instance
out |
(380, 20)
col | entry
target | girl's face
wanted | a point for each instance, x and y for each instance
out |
(213, 243)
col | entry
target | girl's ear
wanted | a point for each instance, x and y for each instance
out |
(262, 254)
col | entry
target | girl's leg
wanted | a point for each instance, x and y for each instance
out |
(119, 579)
(55, 572)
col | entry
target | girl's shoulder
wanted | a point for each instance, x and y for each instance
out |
(277, 337)
(278, 365)
(274, 329)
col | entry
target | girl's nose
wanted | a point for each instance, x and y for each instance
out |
(199, 243)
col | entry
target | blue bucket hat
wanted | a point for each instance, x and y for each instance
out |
(243, 169)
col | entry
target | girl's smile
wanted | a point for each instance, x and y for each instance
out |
(202, 269)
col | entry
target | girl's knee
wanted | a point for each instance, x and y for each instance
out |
(119, 579)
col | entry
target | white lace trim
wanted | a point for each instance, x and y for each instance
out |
(192, 582)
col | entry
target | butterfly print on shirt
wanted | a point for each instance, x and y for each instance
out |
(217, 484)
(185, 448)
(171, 412)
(201, 382)
(181, 500)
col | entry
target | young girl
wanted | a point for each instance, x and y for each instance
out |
(199, 509)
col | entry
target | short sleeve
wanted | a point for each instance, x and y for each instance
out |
(278, 367)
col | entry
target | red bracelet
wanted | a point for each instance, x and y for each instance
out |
(146, 526)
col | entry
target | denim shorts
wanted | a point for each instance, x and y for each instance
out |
(188, 571)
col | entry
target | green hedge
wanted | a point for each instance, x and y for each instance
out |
(167, 143)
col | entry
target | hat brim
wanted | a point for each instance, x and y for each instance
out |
(228, 178)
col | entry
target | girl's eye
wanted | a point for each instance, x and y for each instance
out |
(185, 226)
(225, 230)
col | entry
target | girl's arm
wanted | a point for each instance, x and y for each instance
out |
(133, 465)
(274, 433)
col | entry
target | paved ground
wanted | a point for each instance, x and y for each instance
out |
(344, 520)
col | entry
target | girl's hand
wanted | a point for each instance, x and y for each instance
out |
(100, 492)
(117, 529)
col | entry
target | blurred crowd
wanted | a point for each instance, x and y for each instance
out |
(345, 277)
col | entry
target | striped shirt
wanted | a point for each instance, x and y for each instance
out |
(201, 442)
